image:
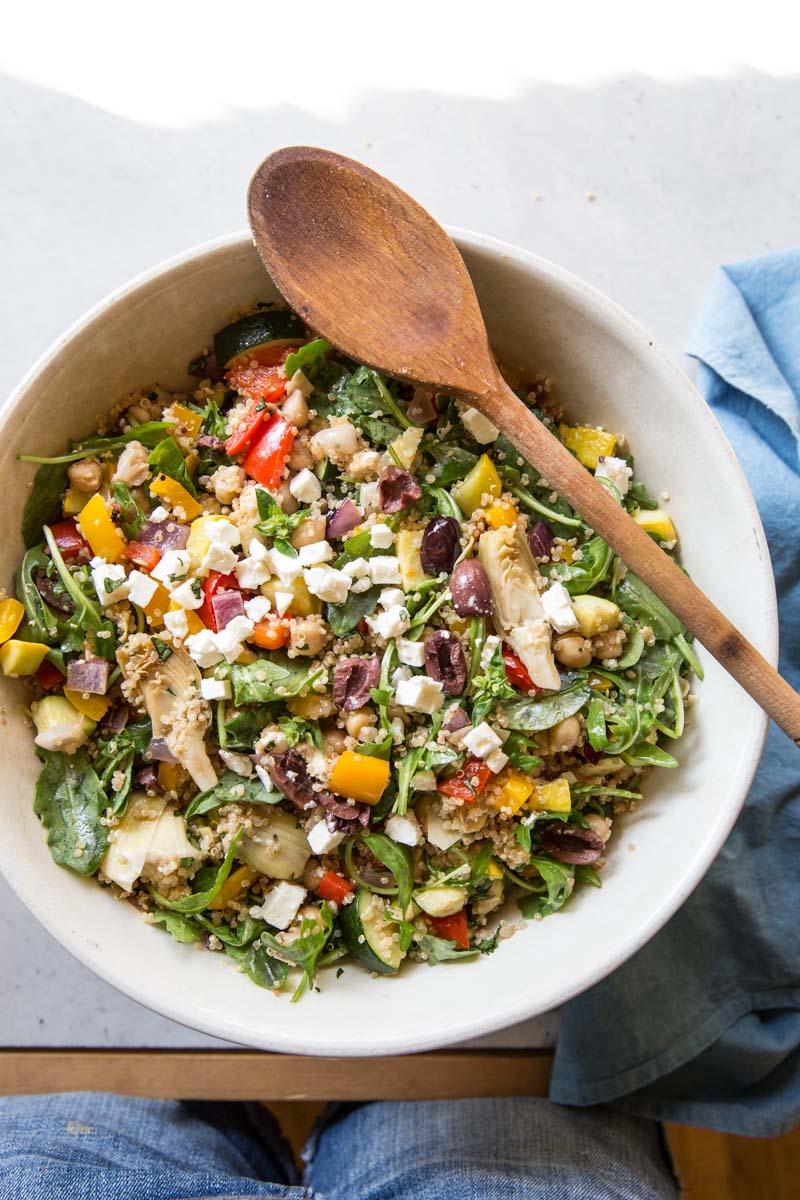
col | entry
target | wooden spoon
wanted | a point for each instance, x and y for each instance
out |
(370, 270)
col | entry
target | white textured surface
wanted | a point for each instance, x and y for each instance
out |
(684, 175)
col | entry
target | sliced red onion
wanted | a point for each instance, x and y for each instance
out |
(116, 718)
(540, 540)
(209, 441)
(422, 407)
(147, 778)
(343, 519)
(164, 535)
(226, 606)
(88, 675)
(159, 751)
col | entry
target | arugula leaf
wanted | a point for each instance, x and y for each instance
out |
(435, 950)
(43, 624)
(70, 802)
(636, 598)
(116, 753)
(365, 399)
(596, 724)
(451, 462)
(521, 751)
(131, 516)
(491, 688)
(588, 875)
(275, 523)
(634, 647)
(305, 951)
(344, 618)
(86, 615)
(405, 772)
(587, 572)
(396, 859)
(183, 929)
(639, 497)
(166, 459)
(243, 726)
(559, 880)
(231, 789)
(489, 944)
(44, 502)
(306, 356)
(533, 715)
(149, 434)
(198, 366)
(199, 901)
(258, 965)
(522, 835)
(267, 679)
(645, 754)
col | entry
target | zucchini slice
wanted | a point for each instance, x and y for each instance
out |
(274, 327)
(441, 901)
(370, 937)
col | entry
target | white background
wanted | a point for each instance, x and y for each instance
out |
(637, 145)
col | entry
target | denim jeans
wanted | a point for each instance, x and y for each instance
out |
(93, 1146)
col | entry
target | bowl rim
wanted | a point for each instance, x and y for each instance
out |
(510, 1012)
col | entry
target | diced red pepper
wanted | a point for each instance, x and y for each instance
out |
(49, 677)
(270, 634)
(213, 583)
(363, 627)
(246, 430)
(263, 382)
(469, 783)
(516, 671)
(452, 929)
(334, 887)
(70, 540)
(269, 451)
(143, 556)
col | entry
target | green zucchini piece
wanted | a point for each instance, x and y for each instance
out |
(370, 937)
(250, 334)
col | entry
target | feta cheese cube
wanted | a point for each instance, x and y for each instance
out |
(263, 775)
(229, 641)
(389, 597)
(240, 764)
(177, 623)
(558, 610)
(616, 470)
(282, 601)
(257, 608)
(496, 761)
(423, 781)
(421, 694)
(481, 740)
(222, 533)
(399, 674)
(327, 583)
(286, 566)
(361, 585)
(141, 588)
(172, 568)
(357, 568)
(215, 689)
(218, 558)
(381, 536)
(203, 648)
(109, 581)
(411, 653)
(479, 426)
(321, 840)
(385, 568)
(305, 486)
(404, 830)
(282, 904)
(315, 553)
(255, 569)
(398, 729)
(391, 623)
(489, 647)
(369, 497)
(158, 514)
(187, 596)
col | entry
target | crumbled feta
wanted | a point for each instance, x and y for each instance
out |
(369, 497)
(489, 647)
(305, 486)
(321, 840)
(481, 740)
(411, 653)
(141, 588)
(229, 641)
(385, 568)
(257, 608)
(389, 597)
(218, 557)
(496, 761)
(177, 623)
(103, 572)
(558, 610)
(286, 566)
(282, 903)
(158, 514)
(222, 533)
(240, 764)
(315, 553)
(357, 568)
(423, 781)
(381, 536)
(391, 623)
(616, 470)
(327, 583)
(172, 567)
(399, 674)
(361, 585)
(404, 830)
(202, 648)
(283, 601)
(421, 694)
(264, 777)
(479, 426)
(215, 689)
(187, 596)
(255, 569)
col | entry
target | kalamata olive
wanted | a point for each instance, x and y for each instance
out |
(540, 540)
(290, 775)
(571, 843)
(352, 680)
(456, 719)
(470, 589)
(397, 490)
(445, 662)
(441, 545)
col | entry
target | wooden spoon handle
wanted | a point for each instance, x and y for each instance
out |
(644, 557)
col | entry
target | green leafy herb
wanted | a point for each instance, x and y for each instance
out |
(149, 434)
(451, 462)
(559, 881)
(115, 755)
(634, 646)
(534, 715)
(521, 751)
(70, 803)
(43, 624)
(305, 951)
(491, 688)
(306, 356)
(166, 459)
(396, 859)
(275, 523)
(645, 754)
(44, 502)
(131, 517)
(243, 725)
(297, 730)
(522, 835)
(258, 965)
(587, 572)
(183, 929)
(199, 366)
(435, 950)
(199, 901)
(86, 615)
(162, 649)
(405, 772)
(344, 618)
(588, 875)
(267, 679)
(639, 497)
(231, 789)
(596, 724)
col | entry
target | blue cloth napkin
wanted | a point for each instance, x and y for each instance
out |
(702, 1025)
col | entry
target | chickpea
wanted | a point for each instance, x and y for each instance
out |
(295, 410)
(564, 735)
(312, 874)
(86, 476)
(573, 650)
(608, 644)
(300, 456)
(139, 414)
(358, 720)
(309, 531)
(285, 498)
(334, 741)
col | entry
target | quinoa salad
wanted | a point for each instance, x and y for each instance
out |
(321, 671)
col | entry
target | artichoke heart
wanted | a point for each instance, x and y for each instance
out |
(150, 833)
(171, 691)
(518, 612)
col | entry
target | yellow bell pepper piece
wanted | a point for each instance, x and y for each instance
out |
(247, 656)
(657, 521)
(551, 797)
(156, 607)
(587, 443)
(11, 613)
(234, 887)
(169, 776)
(192, 460)
(515, 790)
(563, 553)
(501, 514)
(94, 521)
(482, 480)
(93, 707)
(193, 622)
(189, 423)
(176, 496)
(303, 603)
(600, 683)
(313, 707)
(73, 502)
(409, 555)
(494, 870)
(22, 658)
(360, 777)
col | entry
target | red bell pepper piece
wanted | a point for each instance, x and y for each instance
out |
(469, 783)
(452, 929)
(269, 451)
(213, 583)
(335, 888)
(516, 671)
(264, 383)
(70, 540)
(49, 677)
(246, 430)
(143, 556)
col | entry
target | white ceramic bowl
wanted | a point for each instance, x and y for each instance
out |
(607, 370)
